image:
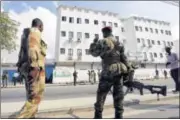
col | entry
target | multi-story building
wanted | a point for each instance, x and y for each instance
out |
(144, 38)
(76, 29)
(147, 38)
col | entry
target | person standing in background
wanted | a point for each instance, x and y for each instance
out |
(173, 64)
(165, 74)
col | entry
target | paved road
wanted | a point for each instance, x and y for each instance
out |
(158, 109)
(62, 92)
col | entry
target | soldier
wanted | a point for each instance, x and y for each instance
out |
(34, 64)
(75, 77)
(5, 79)
(112, 68)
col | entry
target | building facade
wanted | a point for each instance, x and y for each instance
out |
(144, 38)
(147, 38)
(76, 29)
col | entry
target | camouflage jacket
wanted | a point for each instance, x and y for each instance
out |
(107, 47)
(37, 49)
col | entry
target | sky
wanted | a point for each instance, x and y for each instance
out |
(25, 11)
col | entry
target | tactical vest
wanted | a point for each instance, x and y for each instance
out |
(114, 55)
(23, 53)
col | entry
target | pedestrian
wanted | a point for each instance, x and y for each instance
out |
(94, 73)
(165, 74)
(35, 64)
(75, 77)
(89, 74)
(173, 64)
(112, 68)
(157, 74)
(5, 79)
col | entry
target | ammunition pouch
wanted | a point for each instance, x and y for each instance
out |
(111, 60)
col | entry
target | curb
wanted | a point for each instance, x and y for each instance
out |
(91, 108)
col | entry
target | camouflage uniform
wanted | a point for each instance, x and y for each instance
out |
(110, 76)
(35, 82)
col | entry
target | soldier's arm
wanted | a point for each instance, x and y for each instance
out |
(95, 49)
(34, 47)
(107, 46)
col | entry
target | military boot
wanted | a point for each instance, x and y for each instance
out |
(118, 115)
(97, 115)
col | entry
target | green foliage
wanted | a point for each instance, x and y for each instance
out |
(8, 32)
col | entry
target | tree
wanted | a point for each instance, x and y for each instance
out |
(8, 32)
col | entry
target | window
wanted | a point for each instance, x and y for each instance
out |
(96, 35)
(86, 35)
(156, 31)
(169, 44)
(151, 55)
(70, 51)
(79, 52)
(136, 28)
(62, 50)
(155, 54)
(78, 20)
(162, 31)
(142, 39)
(145, 55)
(79, 35)
(117, 38)
(172, 43)
(71, 35)
(110, 24)
(152, 42)
(138, 40)
(169, 32)
(161, 55)
(124, 41)
(63, 33)
(63, 18)
(87, 51)
(164, 43)
(159, 43)
(71, 20)
(104, 23)
(166, 32)
(115, 25)
(96, 22)
(122, 29)
(151, 30)
(146, 29)
(87, 21)
(140, 28)
(149, 42)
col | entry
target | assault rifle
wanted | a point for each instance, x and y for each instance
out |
(132, 84)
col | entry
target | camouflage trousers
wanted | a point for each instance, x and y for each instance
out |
(104, 87)
(35, 84)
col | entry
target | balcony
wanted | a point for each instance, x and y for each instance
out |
(78, 40)
(70, 57)
(70, 40)
(143, 45)
(149, 45)
(79, 57)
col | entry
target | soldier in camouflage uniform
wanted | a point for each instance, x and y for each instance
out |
(35, 67)
(112, 70)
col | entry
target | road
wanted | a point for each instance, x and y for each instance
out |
(63, 92)
(157, 109)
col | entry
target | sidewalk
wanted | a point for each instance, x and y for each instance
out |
(83, 103)
(70, 84)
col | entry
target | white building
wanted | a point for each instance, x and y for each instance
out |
(176, 47)
(144, 39)
(148, 38)
(76, 29)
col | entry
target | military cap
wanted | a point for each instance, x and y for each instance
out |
(167, 47)
(108, 28)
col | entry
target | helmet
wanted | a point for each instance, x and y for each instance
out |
(108, 29)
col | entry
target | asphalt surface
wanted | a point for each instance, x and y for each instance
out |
(149, 110)
(64, 92)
